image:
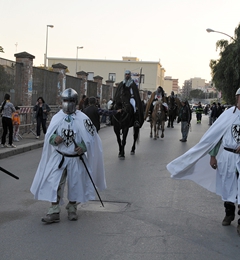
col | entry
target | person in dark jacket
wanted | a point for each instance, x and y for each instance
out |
(185, 116)
(219, 109)
(42, 110)
(199, 112)
(214, 112)
(93, 112)
(7, 108)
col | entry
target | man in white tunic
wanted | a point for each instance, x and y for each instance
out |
(70, 134)
(222, 143)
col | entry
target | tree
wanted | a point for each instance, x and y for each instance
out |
(197, 93)
(225, 71)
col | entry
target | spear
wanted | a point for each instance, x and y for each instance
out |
(9, 173)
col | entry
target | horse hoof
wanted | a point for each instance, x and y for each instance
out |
(132, 153)
(155, 138)
(162, 136)
(122, 157)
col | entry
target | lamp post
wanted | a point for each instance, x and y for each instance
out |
(45, 58)
(211, 30)
(77, 56)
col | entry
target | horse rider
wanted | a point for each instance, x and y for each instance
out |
(172, 109)
(159, 94)
(135, 99)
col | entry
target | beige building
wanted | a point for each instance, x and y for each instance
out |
(170, 85)
(152, 73)
(198, 83)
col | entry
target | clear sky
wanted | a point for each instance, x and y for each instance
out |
(172, 31)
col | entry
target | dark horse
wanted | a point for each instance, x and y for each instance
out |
(124, 120)
(174, 105)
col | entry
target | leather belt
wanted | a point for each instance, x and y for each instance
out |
(230, 150)
(65, 155)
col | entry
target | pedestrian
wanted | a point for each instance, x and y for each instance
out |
(219, 109)
(135, 100)
(81, 103)
(213, 112)
(222, 143)
(199, 111)
(7, 108)
(42, 109)
(93, 112)
(69, 135)
(16, 123)
(104, 107)
(185, 116)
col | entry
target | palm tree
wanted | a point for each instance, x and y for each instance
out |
(225, 71)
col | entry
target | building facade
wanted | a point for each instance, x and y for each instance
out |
(170, 85)
(152, 73)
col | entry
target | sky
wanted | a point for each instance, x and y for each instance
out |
(170, 31)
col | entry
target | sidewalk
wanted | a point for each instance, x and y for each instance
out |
(28, 143)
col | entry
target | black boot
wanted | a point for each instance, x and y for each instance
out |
(136, 120)
(230, 213)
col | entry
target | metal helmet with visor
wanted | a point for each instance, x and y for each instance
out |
(69, 100)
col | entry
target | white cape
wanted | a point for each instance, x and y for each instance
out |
(93, 158)
(195, 163)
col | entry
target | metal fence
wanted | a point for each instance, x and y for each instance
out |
(27, 119)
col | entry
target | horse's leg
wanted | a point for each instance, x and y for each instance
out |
(135, 138)
(155, 130)
(124, 138)
(158, 128)
(169, 120)
(117, 132)
(151, 127)
(162, 124)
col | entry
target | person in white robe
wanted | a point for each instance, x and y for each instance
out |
(69, 135)
(221, 143)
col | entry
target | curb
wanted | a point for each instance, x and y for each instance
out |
(7, 152)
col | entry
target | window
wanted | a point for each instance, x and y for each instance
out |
(90, 75)
(112, 76)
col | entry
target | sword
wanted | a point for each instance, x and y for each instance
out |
(81, 158)
(9, 173)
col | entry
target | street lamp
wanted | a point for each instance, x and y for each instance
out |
(77, 56)
(211, 30)
(45, 58)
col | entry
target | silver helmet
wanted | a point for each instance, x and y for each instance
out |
(69, 100)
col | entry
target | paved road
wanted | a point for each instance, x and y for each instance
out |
(147, 215)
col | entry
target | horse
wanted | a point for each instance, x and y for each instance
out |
(123, 121)
(158, 120)
(174, 105)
